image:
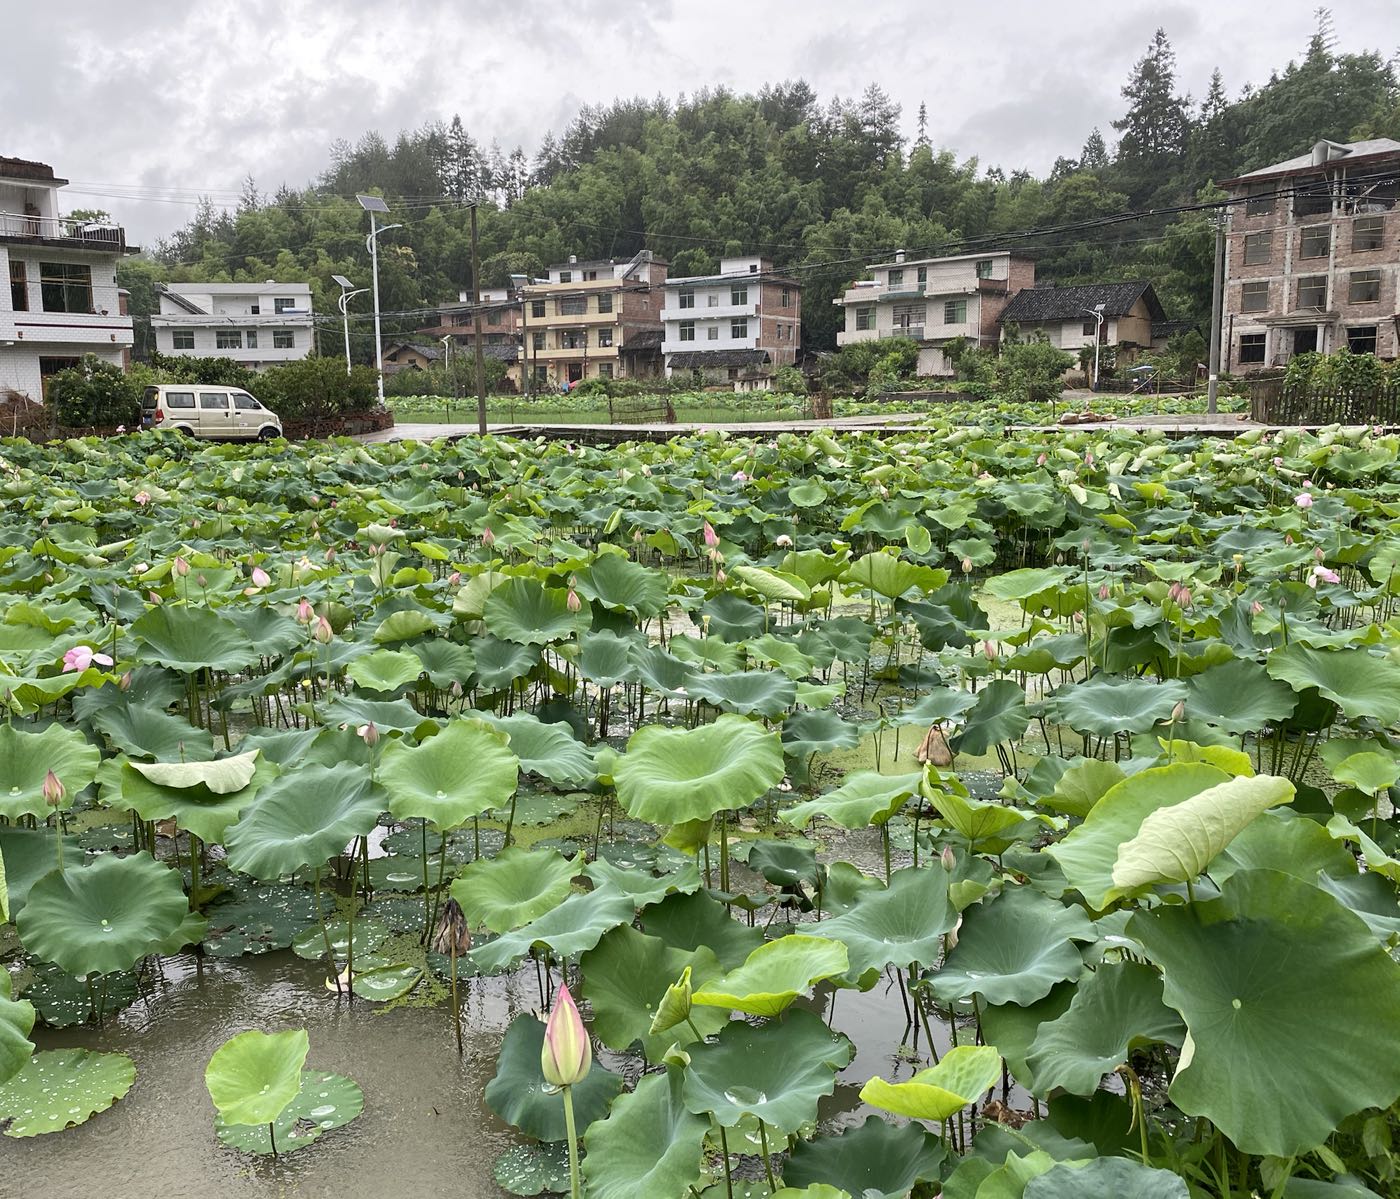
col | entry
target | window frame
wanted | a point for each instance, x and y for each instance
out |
(19, 285)
(1254, 243)
(1259, 203)
(571, 306)
(284, 339)
(1311, 282)
(686, 331)
(537, 310)
(1372, 282)
(738, 294)
(1251, 288)
(182, 339)
(1310, 233)
(865, 318)
(250, 339)
(955, 306)
(1374, 331)
(214, 395)
(281, 305)
(984, 268)
(605, 338)
(539, 339)
(685, 298)
(228, 339)
(711, 332)
(68, 283)
(1373, 222)
(1262, 344)
(738, 328)
(253, 404)
(895, 278)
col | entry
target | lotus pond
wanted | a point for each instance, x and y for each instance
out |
(941, 814)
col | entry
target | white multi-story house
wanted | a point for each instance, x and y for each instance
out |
(62, 301)
(256, 324)
(934, 300)
(738, 325)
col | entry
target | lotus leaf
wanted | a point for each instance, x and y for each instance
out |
(889, 575)
(382, 979)
(405, 625)
(1249, 971)
(1012, 1029)
(16, 1023)
(253, 1076)
(692, 922)
(385, 669)
(775, 974)
(195, 808)
(60, 1088)
(899, 925)
(522, 611)
(649, 1144)
(875, 1160)
(669, 775)
(102, 917)
(817, 732)
(1238, 696)
(1106, 706)
(574, 926)
(461, 772)
(1000, 714)
(191, 639)
(501, 663)
(616, 582)
(1356, 680)
(775, 1073)
(1106, 1176)
(514, 888)
(258, 919)
(1081, 786)
(26, 759)
(324, 1102)
(519, 1095)
(141, 731)
(221, 777)
(749, 693)
(865, 798)
(941, 1091)
(387, 715)
(643, 887)
(310, 943)
(63, 1001)
(549, 750)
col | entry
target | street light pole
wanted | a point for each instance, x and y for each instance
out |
(446, 340)
(346, 295)
(373, 204)
(1097, 313)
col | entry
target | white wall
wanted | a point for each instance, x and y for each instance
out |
(206, 343)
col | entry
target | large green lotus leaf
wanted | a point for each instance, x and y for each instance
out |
(533, 1169)
(1116, 1009)
(1283, 840)
(257, 919)
(625, 978)
(1356, 680)
(1081, 786)
(387, 715)
(1370, 895)
(644, 887)
(461, 772)
(518, 1096)
(890, 576)
(618, 583)
(767, 693)
(776, 1072)
(671, 775)
(875, 1160)
(26, 759)
(445, 662)
(547, 749)
(190, 639)
(865, 798)
(1107, 705)
(102, 917)
(499, 663)
(1176, 844)
(818, 1190)
(605, 658)
(1088, 854)
(194, 809)
(16, 1023)
(1238, 696)
(141, 731)
(27, 855)
(817, 732)
(1290, 1010)
(325, 1102)
(513, 888)
(1012, 1029)
(223, 776)
(252, 1077)
(649, 1144)
(941, 1091)
(898, 925)
(1000, 714)
(775, 974)
(981, 822)
(382, 979)
(574, 926)
(385, 669)
(1028, 583)
(1107, 1176)
(774, 586)
(60, 1088)
(407, 624)
(691, 922)
(1013, 949)
(1371, 772)
(302, 818)
(525, 612)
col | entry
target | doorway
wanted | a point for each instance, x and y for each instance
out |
(1305, 340)
(575, 372)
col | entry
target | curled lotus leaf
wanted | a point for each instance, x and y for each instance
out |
(961, 1075)
(775, 974)
(253, 1076)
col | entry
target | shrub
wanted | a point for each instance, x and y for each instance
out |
(316, 389)
(212, 372)
(850, 369)
(1031, 370)
(788, 380)
(94, 394)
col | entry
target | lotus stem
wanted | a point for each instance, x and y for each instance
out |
(767, 1161)
(456, 1009)
(573, 1142)
(350, 947)
(325, 932)
(272, 1137)
(724, 851)
(728, 1177)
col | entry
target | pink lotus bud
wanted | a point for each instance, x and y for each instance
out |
(1077, 617)
(1303, 500)
(1089, 459)
(1179, 711)
(1278, 461)
(966, 566)
(456, 689)
(1184, 599)
(260, 577)
(203, 580)
(566, 1055)
(182, 568)
(1104, 592)
(1256, 608)
(739, 477)
(711, 539)
(369, 734)
(330, 554)
(1040, 461)
(154, 598)
(572, 601)
(488, 538)
(720, 576)
(454, 579)
(305, 612)
(1318, 554)
(124, 683)
(142, 497)
(324, 633)
(1174, 593)
(989, 650)
(53, 790)
(947, 858)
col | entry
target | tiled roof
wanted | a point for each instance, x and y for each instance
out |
(1373, 145)
(699, 360)
(1032, 305)
(646, 339)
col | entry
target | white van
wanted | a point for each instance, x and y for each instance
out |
(213, 412)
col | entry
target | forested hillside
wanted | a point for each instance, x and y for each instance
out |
(821, 187)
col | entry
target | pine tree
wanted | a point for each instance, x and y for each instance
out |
(461, 180)
(1155, 126)
(922, 139)
(1094, 156)
(1212, 151)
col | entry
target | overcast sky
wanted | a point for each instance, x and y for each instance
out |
(145, 106)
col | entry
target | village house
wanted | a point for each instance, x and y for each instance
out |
(1312, 256)
(934, 300)
(256, 324)
(735, 327)
(583, 322)
(1117, 314)
(62, 301)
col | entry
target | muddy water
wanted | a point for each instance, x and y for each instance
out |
(425, 1128)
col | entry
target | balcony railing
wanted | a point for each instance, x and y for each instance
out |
(49, 228)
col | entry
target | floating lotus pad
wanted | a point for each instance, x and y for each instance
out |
(650, 1144)
(775, 974)
(514, 888)
(324, 1102)
(60, 1088)
(961, 1075)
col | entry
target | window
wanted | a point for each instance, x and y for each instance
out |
(1257, 248)
(909, 319)
(1251, 348)
(590, 276)
(245, 403)
(1313, 199)
(897, 278)
(605, 302)
(1317, 241)
(605, 370)
(182, 339)
(687, 330)
(733, 373)
(713, 299)
(687, 298)
(787, 298)
(214, 400)
(1368, 233)
(923, 275)
(179, 399)
(228, 339)
(1361, 339)
(255, 310)
(955, 311)
(283, 339)
(572, 306)
(1259, 203)
(865, 318)
(1364, 287)
(537, 339)
(19, 286)
(65, 287)
(1312, 291)
(566, 276)
(1254, 297)
(573, 339)
(250, 339)
(1090, 328)
(537, 309)
(283, 304)
(739, 295)
(604, 338)
(739, 328)
(712, 332)
(984, 268)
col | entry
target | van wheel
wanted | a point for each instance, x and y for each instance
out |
(184, 431)
(268, 433)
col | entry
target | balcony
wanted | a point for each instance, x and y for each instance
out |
(78, 234)
(709, 313)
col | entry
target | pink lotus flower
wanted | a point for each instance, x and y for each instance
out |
(739, 477)
(80, 657)
(1256, 608)
(368, 733)
(454, 579)
(711, 538)
(121, 428)
(1320, 574)
(260, 577)
(53, 790)
(305, 612)
(989, 651)
(567, 1055)
(182, 567)
(1040, 461)
(488, 538)
(142, 497)
(572, 602)
(1303, 500)
(324, 633)
(783, 541)
(1278, 461)
(154, 597)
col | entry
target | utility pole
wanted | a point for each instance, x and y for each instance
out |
(476, 333)
(1217, 289)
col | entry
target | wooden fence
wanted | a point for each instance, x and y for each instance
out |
(1271, 402)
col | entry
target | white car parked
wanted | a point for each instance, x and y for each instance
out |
(209, 412)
